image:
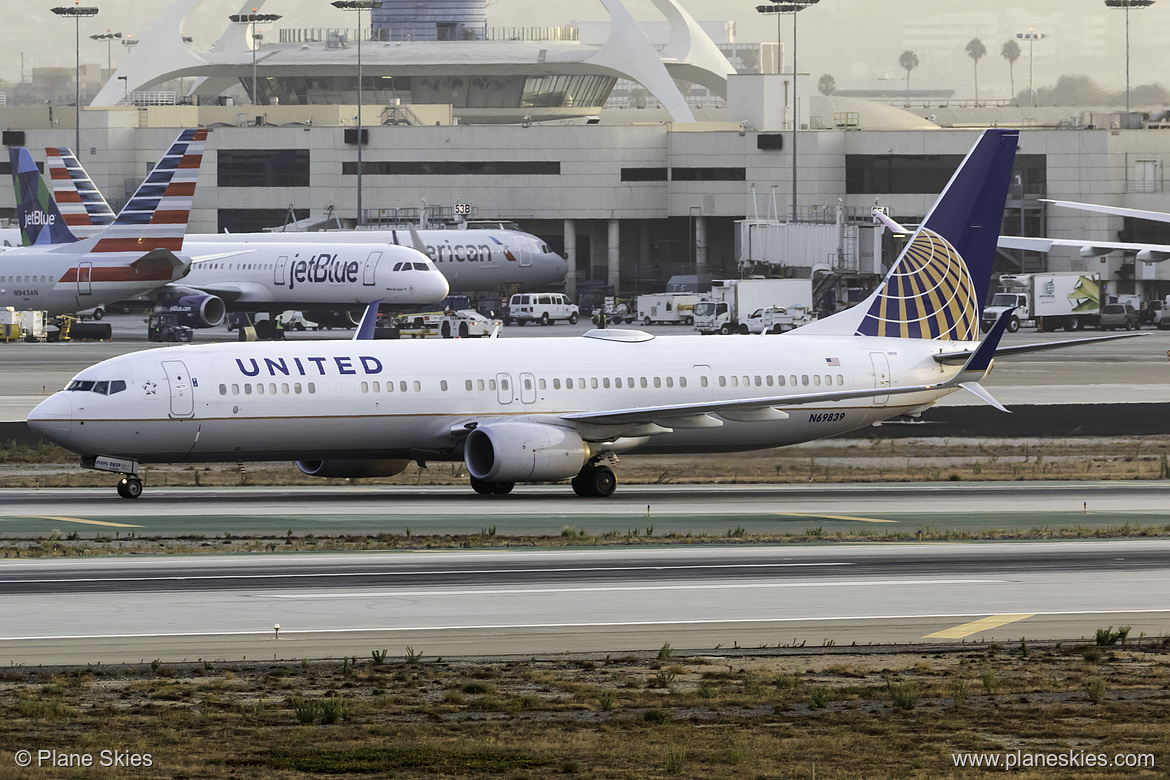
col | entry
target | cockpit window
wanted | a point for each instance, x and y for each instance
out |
(421, 267)
(102, 388)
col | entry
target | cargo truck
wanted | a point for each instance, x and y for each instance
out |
(731, 301)
(1048, 301)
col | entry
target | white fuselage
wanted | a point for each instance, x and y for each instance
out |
(293, 275)
(63, 279)
(414, 399)
(472, 260)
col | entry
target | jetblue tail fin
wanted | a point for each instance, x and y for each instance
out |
(41, 223)
(78, 198)
(939, 283)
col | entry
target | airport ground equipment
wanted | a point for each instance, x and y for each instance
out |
(778, 319)
(731, 301)
(1048, 301)
(667, 308)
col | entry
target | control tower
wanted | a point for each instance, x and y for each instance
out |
(430, 20)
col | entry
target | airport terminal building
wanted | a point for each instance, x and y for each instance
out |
(631, 196)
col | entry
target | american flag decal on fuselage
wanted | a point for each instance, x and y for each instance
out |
(156, 216)
(928, 295)
(82, 206)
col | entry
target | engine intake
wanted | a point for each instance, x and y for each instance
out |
(352, 469)
(196, 311)
(524, 452)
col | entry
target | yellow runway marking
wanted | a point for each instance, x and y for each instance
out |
(975, 626)
(835, 517)
(87, 522)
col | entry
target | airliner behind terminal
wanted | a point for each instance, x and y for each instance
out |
(528, 410)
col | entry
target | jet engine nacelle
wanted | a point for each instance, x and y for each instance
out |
(352, 469)
(196, 311)
(524, 452)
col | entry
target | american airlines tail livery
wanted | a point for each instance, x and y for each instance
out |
(327, 279)
(137, 252)
(471, 260)
(539, 410)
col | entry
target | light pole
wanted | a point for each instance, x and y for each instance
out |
(1127, 4)
(1031, 37)
(359, 6)
(789, 7)
(108, 37)
(77, 11)
(252, 19)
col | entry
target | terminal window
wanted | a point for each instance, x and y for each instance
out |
(708, 174)
(263, 167)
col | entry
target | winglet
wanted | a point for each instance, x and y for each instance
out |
(980, 360)
(417, 241)
(365, 329)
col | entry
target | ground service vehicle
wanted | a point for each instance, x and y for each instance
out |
(667, 308)
(1119, 315)
(164, 326)
(777, 319)
(731, 301)
(1069, 300)
(545, 308)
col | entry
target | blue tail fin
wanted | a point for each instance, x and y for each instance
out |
(41, 223)
(939, 283)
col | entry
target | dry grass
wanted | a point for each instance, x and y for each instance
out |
(741, 714)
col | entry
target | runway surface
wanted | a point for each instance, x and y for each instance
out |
(551, 601)
(548, 509)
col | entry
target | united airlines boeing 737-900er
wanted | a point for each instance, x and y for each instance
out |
(471, 260)
(536, 410)
(327, 278)
(137, 252)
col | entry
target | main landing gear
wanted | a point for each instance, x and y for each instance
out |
(595, 481)
(130, 487)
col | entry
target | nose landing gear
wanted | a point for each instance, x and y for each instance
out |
(130, 487)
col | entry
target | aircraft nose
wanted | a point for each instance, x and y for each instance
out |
(437, 285)
(53, 418)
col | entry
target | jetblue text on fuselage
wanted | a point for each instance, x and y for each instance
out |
(323, 269)
(310, 366)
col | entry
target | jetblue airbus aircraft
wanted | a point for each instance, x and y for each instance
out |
(471, 260)
(326, 279)
(537, 410)
(137, 252)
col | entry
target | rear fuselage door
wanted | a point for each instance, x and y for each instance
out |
(881, 376)
(85, 278)
(182, 398)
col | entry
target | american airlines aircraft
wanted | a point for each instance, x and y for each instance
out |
(472, 260)
(137, 252)
(327, 278)
(537, 410)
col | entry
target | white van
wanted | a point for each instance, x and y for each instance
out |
(545, 308)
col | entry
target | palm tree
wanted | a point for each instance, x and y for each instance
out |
(976, 50)
(827, 85)
(1011, 53)
(908, 61)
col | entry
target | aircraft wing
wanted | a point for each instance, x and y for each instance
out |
(221, 256)
(961, 355)
(1147, 253)
(1156, 216)
(231, 293)
(698, 415)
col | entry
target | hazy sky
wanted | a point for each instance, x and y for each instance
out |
(858, 42)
